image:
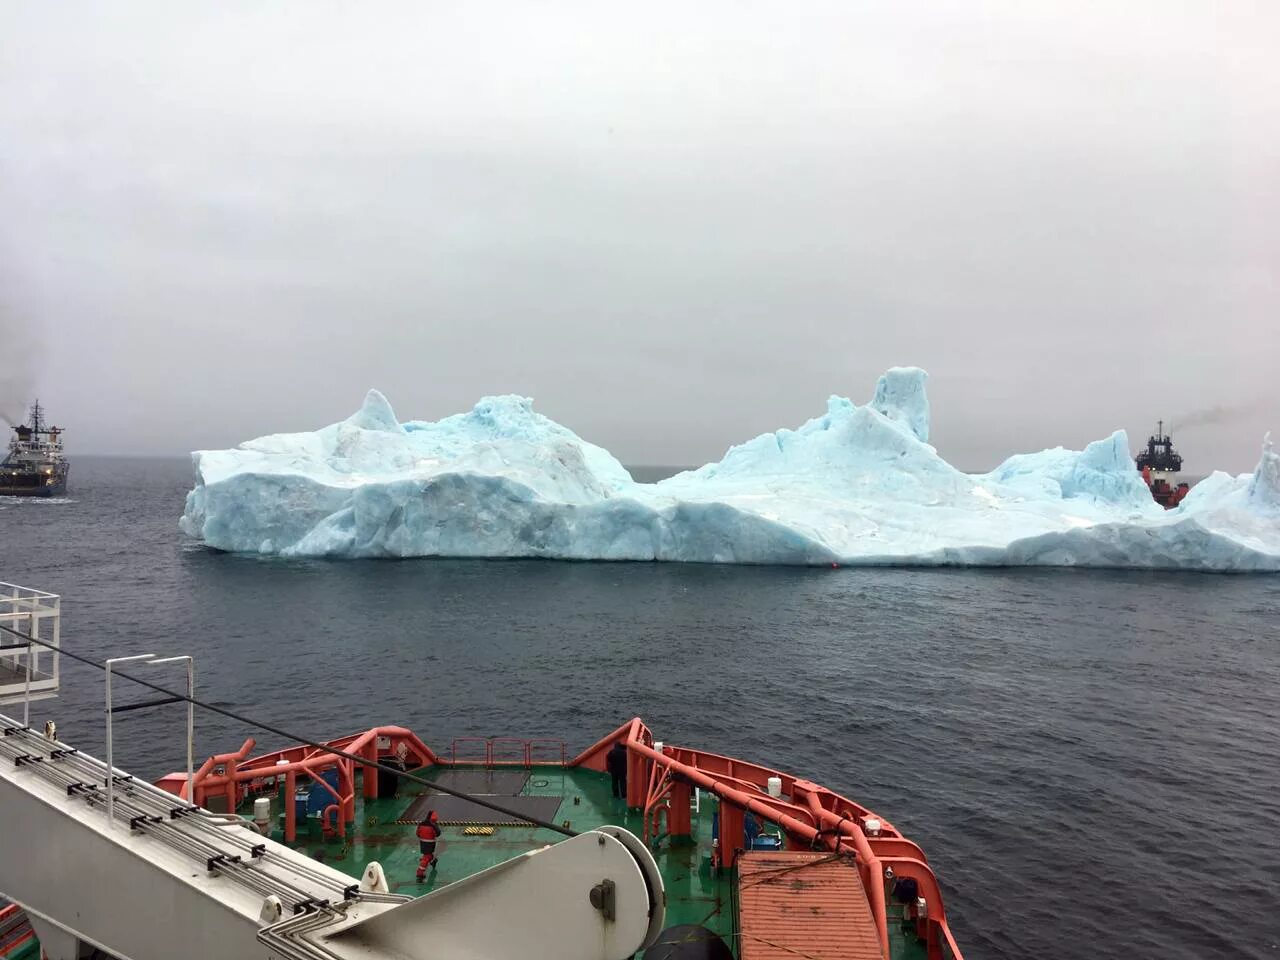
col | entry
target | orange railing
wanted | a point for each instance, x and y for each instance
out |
(659, 784)
(486, 757)
(813, 816)
(499, 752)
(231, 777)
(559, 747)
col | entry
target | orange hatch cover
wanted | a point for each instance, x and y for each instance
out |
(795, 904)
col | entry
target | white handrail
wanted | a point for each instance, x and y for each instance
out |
(111, 769)
(22, 611)
(191, 716)
(26, 691)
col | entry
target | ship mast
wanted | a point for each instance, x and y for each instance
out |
(37, 415)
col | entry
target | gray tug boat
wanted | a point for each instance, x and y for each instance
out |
(35, 465)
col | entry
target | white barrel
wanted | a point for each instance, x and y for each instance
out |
(775, 786)
(262, 810)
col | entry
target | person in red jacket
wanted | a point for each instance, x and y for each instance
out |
(428, 833)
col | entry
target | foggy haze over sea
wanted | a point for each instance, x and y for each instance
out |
(674, 227)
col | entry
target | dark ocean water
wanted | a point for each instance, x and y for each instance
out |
(1090, 759)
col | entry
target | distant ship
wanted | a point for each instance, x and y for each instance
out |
(1160, 465)
(35, 465)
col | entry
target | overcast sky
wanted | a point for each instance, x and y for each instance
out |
(675, 225)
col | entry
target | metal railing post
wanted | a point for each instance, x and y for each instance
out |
(26, 692)
(111, 769)
(191, 716)
(57, 637)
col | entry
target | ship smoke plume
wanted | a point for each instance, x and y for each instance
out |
(1213, 416)
(18, 350)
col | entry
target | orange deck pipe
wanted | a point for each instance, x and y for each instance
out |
(368, 783)
(338, 822)
(680, 820)
(227, 758)
(347, 783)
(637, 780)
(732, 833)
(352, 743)
(243, 774)
(240, 776)
(290, 807)
(927, 882)
(781, 807)
(897, 851)
(194, 791)
(837, 822)
(897, 847)
(875, 872)
(311, 762)
(699, 760)
(875, 890)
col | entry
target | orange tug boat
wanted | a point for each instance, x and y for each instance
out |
(757, 864)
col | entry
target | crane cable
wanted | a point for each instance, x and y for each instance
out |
(285, 734)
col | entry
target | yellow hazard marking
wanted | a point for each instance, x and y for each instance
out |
(477, 831)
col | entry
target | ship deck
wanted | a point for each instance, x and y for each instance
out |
(696, 893)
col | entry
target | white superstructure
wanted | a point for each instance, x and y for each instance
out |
(28, 671)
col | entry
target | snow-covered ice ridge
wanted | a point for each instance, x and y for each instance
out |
(856, 485)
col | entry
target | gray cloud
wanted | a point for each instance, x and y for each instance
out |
(674, 226)
(1216, 416)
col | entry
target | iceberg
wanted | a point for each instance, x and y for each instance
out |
(856, 485)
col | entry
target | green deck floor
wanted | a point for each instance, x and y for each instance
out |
(695, 894)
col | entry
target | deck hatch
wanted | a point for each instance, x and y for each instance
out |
(794, 904)
(454, 811)
(484, 783)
